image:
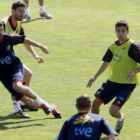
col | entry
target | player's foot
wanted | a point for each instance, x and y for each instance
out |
(46, 15)
(45, 109)
(55, 112)
(27, 108)
(119, 125)
(21, 114)
(26, 17)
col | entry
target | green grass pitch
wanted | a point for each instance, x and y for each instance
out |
(77, 36)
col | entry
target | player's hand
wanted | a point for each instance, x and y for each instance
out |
(131, 75)
(44, 49)
(91, 81)
(39, 59)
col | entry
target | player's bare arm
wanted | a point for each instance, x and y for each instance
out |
(103, 67)
(33, 43)
(32, 51)
(30, 48)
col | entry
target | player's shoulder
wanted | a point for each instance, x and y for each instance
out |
(134, 46)
(7, 36)
(114, 43)
(95, 116)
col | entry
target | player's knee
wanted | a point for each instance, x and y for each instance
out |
(17, 86)
(113, 111)
(28, 73)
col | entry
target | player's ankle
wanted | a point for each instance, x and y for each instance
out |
(41, 9)
(121, 118)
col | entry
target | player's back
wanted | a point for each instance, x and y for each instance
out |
(85, 126)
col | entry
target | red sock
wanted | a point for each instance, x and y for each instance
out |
(43, 106)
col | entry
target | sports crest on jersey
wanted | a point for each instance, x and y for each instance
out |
(8, 48)
(82, 119)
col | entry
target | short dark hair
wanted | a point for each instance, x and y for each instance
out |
(122, 23)
(83, 102)
(18, 4)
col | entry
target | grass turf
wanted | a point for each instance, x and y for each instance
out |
(77, 36)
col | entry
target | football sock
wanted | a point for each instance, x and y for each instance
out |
(41, 9)
(16, 106)
(54, 111)
(38, 101)
(43, 104)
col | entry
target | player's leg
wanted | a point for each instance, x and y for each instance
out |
(27, 79)
(96, 106)
(115, 112)
(27, 11)
(20, 88)
(36, 100)
(42, 105)
(103, 95)
(27, 75)
(15, 104)
(18, 111)
(122, 96)
(42, 10)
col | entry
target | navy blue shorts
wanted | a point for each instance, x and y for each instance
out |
(110, 90)
(14, 74)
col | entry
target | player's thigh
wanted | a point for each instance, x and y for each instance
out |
(17, 74)
(8, 85)
(27, 72)
(106, 92)
(124, 94)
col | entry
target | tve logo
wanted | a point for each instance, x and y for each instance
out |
(5, 60)
(83, 131)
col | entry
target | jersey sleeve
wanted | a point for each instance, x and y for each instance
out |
(134, 52)
(108, 56)
(14, 39)
(106, 128)
(63, 133)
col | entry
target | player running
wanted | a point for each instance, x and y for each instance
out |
(123, 57)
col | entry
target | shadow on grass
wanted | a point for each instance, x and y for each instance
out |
(48, 118)
(18, 122)
(32, 20)
(3, 118)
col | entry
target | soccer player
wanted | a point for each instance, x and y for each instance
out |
(123, 57)
(85, 125)
(11, 72)
(13, 25)
(41, 11)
